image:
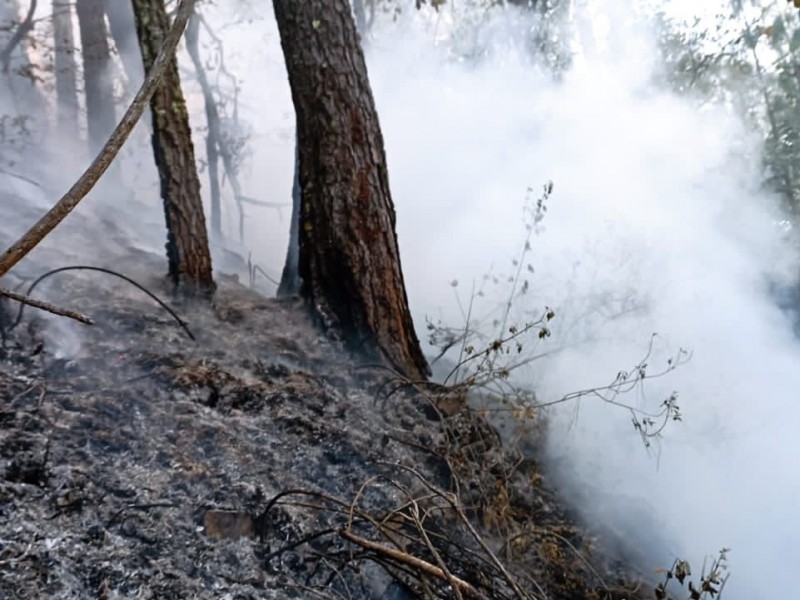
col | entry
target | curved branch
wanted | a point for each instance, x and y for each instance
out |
(24, 28)
(112, 147)
(134, 283)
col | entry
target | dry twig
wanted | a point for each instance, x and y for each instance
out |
(51, 308)
(418, 563)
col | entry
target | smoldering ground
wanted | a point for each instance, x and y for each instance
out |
(656, 225)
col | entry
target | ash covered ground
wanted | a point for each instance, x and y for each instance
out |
(260, 460)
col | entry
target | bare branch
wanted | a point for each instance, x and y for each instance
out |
(24, 28)
(51, 308)
(21, 177)
(112, 147)
(264, 203)
(411, 560)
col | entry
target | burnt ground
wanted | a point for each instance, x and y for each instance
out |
(259, 461)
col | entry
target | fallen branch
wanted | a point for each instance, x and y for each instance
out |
(410, 560)
(452, 500)
(108, 153)
(51, 308)
(21, 177)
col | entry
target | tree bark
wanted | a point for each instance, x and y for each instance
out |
(349, 260)
(96, 73)
(65, 70)
(187, 239)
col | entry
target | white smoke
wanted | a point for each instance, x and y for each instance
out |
(656, 224)
(656, 208)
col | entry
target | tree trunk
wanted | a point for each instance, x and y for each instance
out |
(213, 136)
(96, 73)
(290, 278)
(19, 94)
(23, 29)
(65, 70)
(123, 30)
(349, 260)
(187, 238)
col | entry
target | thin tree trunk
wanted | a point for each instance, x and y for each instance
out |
(349, 259)
(213, 136)
(65, 70)
(19, 95)
(223, 148)
(123, 31)
(187, 239)
(96, 72)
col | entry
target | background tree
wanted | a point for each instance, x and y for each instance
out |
(20, 33)
(225, 142)
(349, 260)
(748, 58)
(187, 239)
(98, 84)
(65, 69)
(213, 135)
(22, 122)
(548, 26)
(123, 32)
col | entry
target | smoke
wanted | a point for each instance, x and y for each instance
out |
(656, 225)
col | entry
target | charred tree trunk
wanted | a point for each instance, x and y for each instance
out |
(65, 70)
(349, 260)
(290, 278)
(187, 238)
(96, 73)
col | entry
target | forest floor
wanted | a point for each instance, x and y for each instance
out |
(259, 460)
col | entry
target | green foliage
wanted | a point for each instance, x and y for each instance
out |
(547, 23)
(749, 58)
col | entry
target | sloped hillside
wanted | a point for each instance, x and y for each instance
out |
(258, 460)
